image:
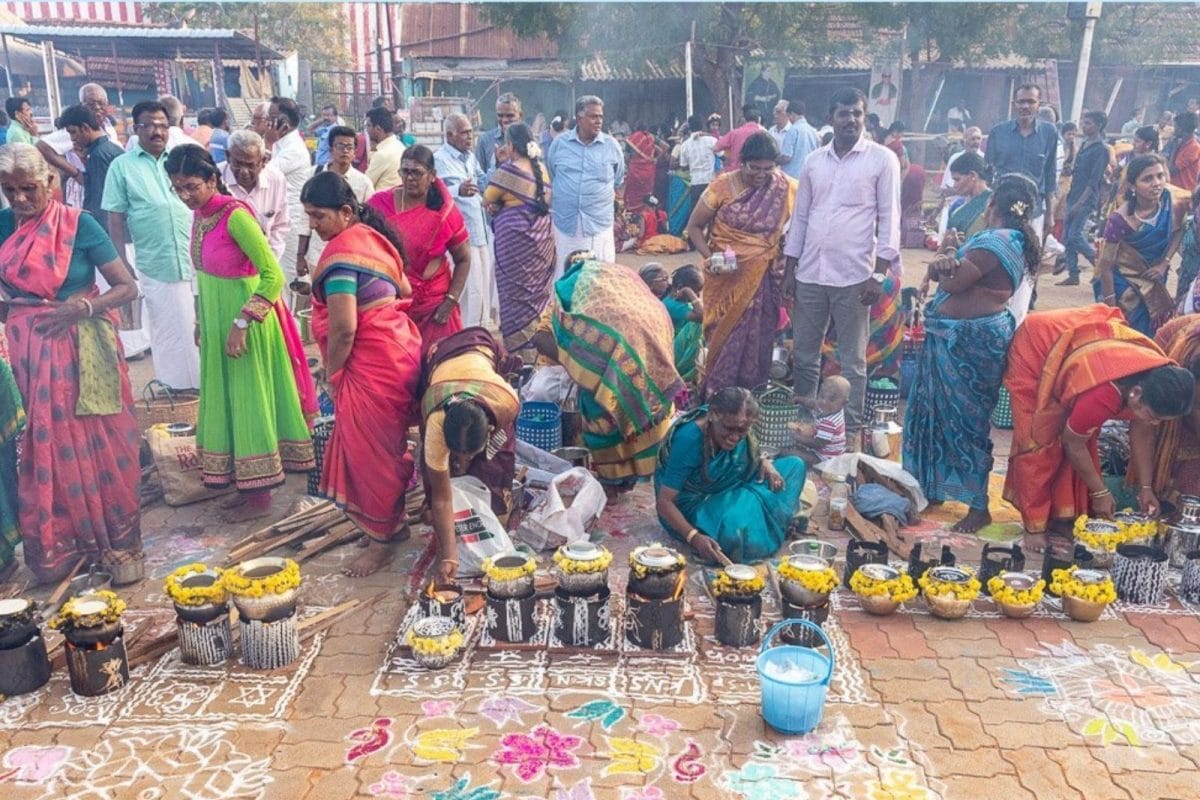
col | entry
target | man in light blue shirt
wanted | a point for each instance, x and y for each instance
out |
(586, 166)
(806, 139)
(143, 210)
(458, 167)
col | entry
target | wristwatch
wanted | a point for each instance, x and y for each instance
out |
(240, 323)
(878, 277)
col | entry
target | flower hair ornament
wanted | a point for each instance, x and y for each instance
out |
(533, 150)
(1019, 208)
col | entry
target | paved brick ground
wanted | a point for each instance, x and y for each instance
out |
(917, 708)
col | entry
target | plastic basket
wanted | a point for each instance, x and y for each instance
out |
(794, 707)
(776, 409)
(1002, 413)
(322, 431)
(540, 424)
(879, 397)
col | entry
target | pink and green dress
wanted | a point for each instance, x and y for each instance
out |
(252, 425)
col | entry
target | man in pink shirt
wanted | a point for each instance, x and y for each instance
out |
(731, 143)
(844, 236)
(261, 185)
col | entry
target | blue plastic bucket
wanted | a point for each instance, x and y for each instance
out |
(793, 706)
(540, 424)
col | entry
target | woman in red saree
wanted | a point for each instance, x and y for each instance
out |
(423, 213)
(372, 353)
(78, 475)
(1069, 372)
(639, 174)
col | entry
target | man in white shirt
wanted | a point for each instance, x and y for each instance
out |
(289, 154)
(383, 167)
(261, 185)
(458, 167)
(697, 157)
(342, 143)
(782, 123)
(844, 236)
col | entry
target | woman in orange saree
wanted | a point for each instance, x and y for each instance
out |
(1069, 371)
(424, 215)
(371, 349)
(746, 211)
(1177, 455)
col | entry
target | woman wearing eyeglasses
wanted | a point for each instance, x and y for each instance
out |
(255, 385)
(746, 211)
(342, 143)
(437, 246)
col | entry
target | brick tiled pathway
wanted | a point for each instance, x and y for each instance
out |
(918, 707)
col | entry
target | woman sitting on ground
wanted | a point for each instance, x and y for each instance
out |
(713, 488)
(1069, 372)
(469, 417)
(680, 293)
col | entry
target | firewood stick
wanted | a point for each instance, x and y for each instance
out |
(339, 534)
(61, 589)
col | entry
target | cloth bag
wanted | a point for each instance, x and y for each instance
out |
(566, 510)
(478, 533)
(178, 467)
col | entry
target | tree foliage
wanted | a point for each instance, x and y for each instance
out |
(316, 30)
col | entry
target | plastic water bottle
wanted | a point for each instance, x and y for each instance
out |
(730, 260)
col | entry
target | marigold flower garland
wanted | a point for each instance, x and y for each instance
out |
(640, 570)
(899, 589)
(69, 616)
(283, 581)
(444, 645)
(213, 594)
(1064, 582)
(961, 591)
(573, 566)
(1108, 542)
(821, 581)
(503, 574)
(725, 586)
(1004, 594)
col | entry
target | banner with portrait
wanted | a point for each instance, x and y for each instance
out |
(764, 81)
(883, 96)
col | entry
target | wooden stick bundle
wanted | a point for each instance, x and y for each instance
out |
(324, 523)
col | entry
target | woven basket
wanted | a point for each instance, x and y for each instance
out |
(1002, 413)
(776, 409)
(322, 431)
(160, 404)
(879, 397)
(540, 424)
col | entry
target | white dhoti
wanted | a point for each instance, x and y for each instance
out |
(600, 244)
(480, 305)
(171, 318)
(135, 339)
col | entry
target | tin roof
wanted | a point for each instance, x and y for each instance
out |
(450, 30)
(152, 43)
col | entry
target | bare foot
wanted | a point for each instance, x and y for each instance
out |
(246, 512)
(1036, 542)
(235, 500)
(376, 555)
(975, 519)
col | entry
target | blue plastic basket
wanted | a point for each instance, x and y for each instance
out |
(794, 708)
(321, 434)
(540, 424)
(1002, 413)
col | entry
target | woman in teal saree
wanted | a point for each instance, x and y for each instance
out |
(715, 491)
(971, 187)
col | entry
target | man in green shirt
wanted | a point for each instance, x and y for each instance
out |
(22, 128)
(143, 210)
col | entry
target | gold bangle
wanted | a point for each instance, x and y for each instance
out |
(88, 303)
(1099, 494)
(452, 297)
(692, 534)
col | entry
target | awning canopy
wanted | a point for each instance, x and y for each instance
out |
(149, 43)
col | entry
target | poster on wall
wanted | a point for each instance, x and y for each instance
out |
(883, 96)
(764, 87)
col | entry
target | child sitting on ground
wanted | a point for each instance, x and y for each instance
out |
(825, 437)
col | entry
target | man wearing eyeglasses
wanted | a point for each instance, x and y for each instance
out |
(289, 154)
(458, 167)
(508, 111)
(343, 142)
(144, 211)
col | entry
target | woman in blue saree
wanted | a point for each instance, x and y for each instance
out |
(715, 491)
(1141, 236)
(967, 212)
(968, 329)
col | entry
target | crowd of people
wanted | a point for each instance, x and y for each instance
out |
(434, 275)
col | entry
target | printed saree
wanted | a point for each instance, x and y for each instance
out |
(1130, 254)
(723, 496)
(617, 343)
(1055, 357)
(640, 172)
(947, 429)
(1177, 453)
(968, 218)
(374, 392)
(524, 259)
(741, 308)
(77, 481)
(12, 420)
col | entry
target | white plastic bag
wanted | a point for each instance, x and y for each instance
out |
(565, 511)
(549, 384)
(477, 531)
